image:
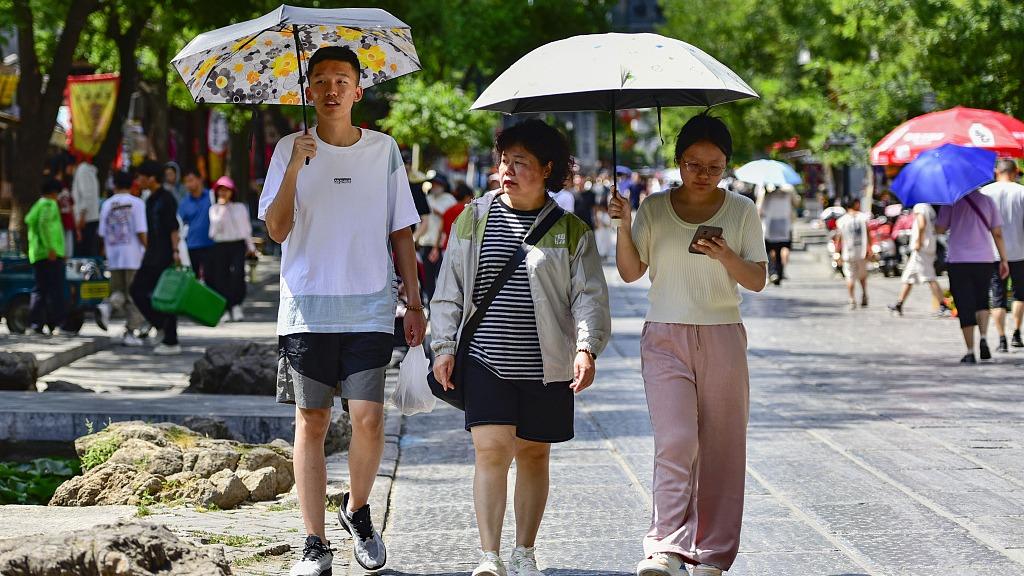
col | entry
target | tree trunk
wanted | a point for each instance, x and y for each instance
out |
(127, 44)
(39, 108)
(239, 163)
(159, 127)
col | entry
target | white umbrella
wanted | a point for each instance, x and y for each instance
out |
(765, 172)
(613, 72)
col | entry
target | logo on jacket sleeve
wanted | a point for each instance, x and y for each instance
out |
(560, 239)
(342, 180)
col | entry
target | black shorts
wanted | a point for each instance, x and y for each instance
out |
(1001, 288)
(970, 283)
(540, 413)
(311, 367)
(778, 245)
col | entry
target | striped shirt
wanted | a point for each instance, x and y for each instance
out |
(506, 341)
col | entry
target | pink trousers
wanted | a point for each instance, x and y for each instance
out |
(698, 395)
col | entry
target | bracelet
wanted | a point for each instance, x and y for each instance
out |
(592, 355)
(414, 308)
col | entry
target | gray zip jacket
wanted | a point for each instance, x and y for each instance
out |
(567, 283)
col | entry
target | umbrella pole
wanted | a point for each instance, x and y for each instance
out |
(302, 82)
(615, 222)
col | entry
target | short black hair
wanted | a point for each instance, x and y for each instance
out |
(150, 168)
(52, 186)
(704, 127)
(851, 201)
(336, 53)
(1006, 166)
(544, 142)
(122, 180)
(462, 191)
(192, 171)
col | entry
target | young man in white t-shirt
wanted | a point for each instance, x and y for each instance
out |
(123, 230)
(853, 229)
(338, 219)
(1009, 198)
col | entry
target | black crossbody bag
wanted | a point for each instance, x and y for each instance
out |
(457, 396)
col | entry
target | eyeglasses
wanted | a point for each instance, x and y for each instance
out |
(696, 168)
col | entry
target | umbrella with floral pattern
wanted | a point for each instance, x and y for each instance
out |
(260, 61)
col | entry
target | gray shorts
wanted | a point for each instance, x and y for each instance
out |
(312, 367)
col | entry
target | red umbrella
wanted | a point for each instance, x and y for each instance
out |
(986, 129)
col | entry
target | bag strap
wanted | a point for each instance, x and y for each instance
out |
(511, 266)
(977, 211)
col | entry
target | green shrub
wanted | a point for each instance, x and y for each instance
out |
(36, 481)
(100, 452)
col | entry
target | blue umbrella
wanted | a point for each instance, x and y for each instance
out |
(944, 175)
(768, 172)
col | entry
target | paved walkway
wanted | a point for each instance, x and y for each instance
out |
(871, 452)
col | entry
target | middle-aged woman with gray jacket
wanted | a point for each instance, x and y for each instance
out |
(537, 343)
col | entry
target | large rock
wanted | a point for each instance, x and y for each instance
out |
(339, 434)
(263, 457)
(238, 368)
(110, 483)
(62, 386)
(134, 462)
(114, 550)
(18, 371)
(262, 483)
(147, 456)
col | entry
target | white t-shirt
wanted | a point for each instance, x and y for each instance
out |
(853, 227)
(122, 217)
(777, 216)
(1009, 199)
(928, 243)
(336, 269)
(85, 190)
(439, 203)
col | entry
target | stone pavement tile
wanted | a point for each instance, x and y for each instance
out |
(931, 553)
(18, 521)
(974, 480)
(1005, 531)
(977, 504)
(909, 459)
(1006, 461)
(779, 535)
(808, 482)
(818, 563)
(876, 516)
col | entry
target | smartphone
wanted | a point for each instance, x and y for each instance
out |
(704, 233)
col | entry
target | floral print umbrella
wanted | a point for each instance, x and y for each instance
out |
(263, 61)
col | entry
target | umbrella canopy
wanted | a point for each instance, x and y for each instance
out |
(964, 126)
(765, 172)
(259, 61)
(612, 72)
(944, 175)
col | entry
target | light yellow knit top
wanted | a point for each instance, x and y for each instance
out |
(692, 288)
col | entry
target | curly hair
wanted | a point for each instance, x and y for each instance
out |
(543, 141)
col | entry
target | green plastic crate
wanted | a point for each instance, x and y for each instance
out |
(178, 292)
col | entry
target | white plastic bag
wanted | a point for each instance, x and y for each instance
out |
(412, 395)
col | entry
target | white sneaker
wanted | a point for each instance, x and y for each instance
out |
(316, 559)
(661, 564)
(236, 313)
(129, 339)
(706, 570)
(155, 338)
(523, 563)
(167, 349)
(490, 565)
(103, 309)
(226, 317)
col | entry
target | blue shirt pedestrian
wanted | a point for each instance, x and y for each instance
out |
(195, 213)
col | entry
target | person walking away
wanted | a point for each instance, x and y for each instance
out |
(852, 229)
(123, 232)
(463, 196)
(537, 342)
(1009, 198)
(776, 210)
(231, 230)
(693, 351)
(67, 219)
(194, 210)
(920, 268)
(427, 233)
(161, 253)
(85, 192)
(335, 219)
(565, 198)
(973, 223)
(46, 254)
(585, 201)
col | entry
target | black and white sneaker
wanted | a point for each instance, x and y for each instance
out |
(316, 559)
(367, 546)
